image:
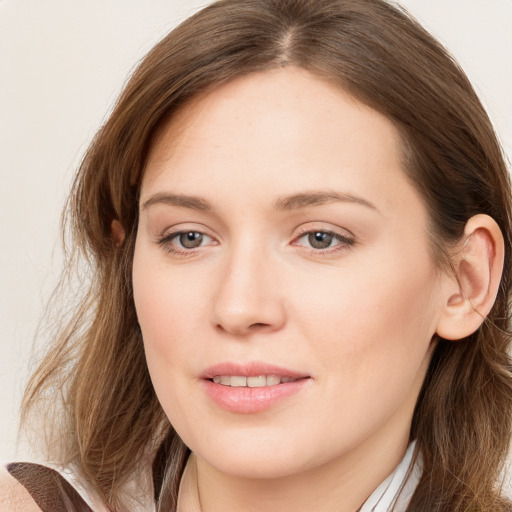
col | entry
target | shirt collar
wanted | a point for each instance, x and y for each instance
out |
(395, 492)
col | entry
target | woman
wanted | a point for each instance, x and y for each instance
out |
(299, 220)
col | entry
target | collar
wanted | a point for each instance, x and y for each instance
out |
(395, 492)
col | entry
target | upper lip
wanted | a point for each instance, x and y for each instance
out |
(250, 369)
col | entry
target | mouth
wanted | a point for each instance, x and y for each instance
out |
(251, 388)
(260, 381)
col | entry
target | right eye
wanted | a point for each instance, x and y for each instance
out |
(189, 240)
(185, 241)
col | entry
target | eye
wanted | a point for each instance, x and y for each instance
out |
(189, 240)
(184, 241)
(321, 240)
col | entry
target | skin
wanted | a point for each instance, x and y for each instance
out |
(357, 317)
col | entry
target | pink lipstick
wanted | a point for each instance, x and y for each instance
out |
(251, 388)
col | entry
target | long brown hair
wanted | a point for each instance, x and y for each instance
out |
(375, 51)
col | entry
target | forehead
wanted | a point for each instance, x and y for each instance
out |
(278, 130)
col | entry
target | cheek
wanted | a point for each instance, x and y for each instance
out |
(163, 300)
(168, 349)
(370, 328)
(166, 320)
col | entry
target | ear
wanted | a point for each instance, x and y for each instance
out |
(117, 232)
(472, 291)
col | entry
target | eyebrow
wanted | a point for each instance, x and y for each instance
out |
(292, 202)
(305, 199)
(194, 203)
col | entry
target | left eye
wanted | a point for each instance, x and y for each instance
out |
(188, 239)
(323, 239)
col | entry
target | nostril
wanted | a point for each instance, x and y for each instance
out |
(240, 330)
(257, 325)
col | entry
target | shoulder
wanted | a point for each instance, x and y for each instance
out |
(32, 487)
(13, 496)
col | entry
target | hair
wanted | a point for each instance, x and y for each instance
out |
(111, 420)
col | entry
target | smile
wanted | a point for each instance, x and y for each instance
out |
(260, 381)
(253, 387)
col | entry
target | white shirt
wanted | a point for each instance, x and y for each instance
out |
(395, 492)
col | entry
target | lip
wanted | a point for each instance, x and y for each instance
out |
(245, 400)
(252, 369)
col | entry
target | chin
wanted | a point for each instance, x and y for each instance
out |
(256, 455)
(261, 468)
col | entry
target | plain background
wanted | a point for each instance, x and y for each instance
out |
(62, 64)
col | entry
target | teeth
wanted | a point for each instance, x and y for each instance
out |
(273, 380)
(238, 381)
(256, 382)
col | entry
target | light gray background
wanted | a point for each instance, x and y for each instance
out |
(62, 64)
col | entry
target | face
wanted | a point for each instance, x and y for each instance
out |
(282, 276)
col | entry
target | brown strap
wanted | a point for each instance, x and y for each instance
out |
(48, 488)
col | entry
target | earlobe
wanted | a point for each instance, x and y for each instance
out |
(117, 232)
(474, 287)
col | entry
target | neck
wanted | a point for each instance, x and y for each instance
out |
(341, 485)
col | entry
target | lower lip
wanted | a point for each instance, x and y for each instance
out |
(247, 400)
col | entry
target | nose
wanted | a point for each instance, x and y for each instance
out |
(249, 298)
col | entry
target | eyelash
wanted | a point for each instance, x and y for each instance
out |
(343, 242)
(166, 242)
